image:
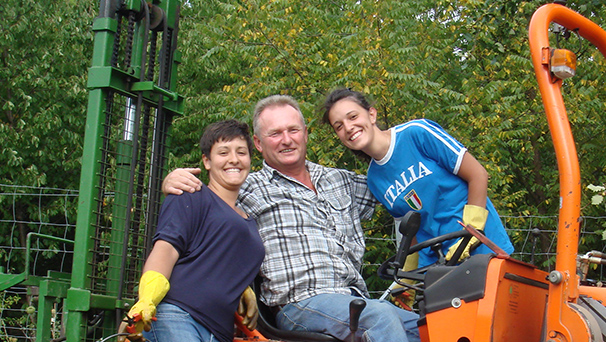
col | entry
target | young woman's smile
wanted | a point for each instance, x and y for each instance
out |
(352, 123)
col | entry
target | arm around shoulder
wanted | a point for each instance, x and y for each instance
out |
(182, 180)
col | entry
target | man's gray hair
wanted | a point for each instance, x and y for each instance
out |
(274, 101)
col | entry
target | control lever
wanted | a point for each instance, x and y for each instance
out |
(592, 257)
(355, 309)
(596, 257)
(410, 225)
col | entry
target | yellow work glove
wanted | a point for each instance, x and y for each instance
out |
(153, 286)
(248, 308)
(476, 217)
(406, 299)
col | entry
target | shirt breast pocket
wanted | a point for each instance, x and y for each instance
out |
(340, 212)
(339, 201)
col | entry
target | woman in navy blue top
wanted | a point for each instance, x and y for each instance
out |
(206, 250)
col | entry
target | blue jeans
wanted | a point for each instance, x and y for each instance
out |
(175, 324)
(381, 321)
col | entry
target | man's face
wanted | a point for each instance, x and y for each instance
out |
(282, 137)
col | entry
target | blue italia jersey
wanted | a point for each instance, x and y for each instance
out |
(419, 172)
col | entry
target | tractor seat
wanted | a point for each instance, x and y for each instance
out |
(266, 324)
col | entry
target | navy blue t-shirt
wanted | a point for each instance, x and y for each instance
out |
(219, 255)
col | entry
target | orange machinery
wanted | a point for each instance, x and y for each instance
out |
(503, 300)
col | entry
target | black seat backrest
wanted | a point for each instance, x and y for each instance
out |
(267, 324)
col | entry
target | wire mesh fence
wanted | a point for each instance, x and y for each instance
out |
(51, 211)
(37, 211)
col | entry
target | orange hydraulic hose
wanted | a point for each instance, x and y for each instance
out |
(568, 164)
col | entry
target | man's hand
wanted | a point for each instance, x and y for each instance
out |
(181, 180)
(476, 217)
(248, 308)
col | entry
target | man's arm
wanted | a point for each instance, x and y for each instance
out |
(363, 197)
(181, 180)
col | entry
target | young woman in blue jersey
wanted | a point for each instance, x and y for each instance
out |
(418, 166)
(206, 250)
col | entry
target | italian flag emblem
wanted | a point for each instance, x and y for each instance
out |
(413, 200)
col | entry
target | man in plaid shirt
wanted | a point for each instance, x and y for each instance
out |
(309, 220)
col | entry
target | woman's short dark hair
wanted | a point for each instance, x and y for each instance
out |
(226, 130)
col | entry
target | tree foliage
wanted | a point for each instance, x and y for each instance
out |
(464, 64)
(45, 48)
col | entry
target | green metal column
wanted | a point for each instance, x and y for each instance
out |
(50, 292)
(79, 294)
(119, 186)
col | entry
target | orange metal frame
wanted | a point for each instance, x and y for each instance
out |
(563, 323)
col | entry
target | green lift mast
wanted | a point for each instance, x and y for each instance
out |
(132, 101)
